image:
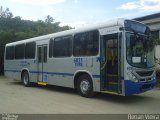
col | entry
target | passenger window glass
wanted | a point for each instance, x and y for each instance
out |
(45, 54)
(86, 44)
(62, 47)
(30, 50)
(19, 51)
(10, 52)
(51, 48)
(39, 54)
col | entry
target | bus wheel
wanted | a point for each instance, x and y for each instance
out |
(85, 86)
(25, 79)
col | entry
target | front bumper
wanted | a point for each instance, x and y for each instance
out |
(139, 87)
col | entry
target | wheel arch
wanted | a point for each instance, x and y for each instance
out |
(24, 70)
(80, 73)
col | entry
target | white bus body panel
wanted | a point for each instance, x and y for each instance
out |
(61, 71)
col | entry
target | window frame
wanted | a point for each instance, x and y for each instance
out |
(23, 51)
(45, 50)
(8, 58)
(34, 50)
(53, 46)
(97, 52)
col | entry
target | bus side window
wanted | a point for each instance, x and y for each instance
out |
(62, 47)
(86, 44)
(51, 48)
(39, 54)
(30, 50)
(45, 54)
(10, 52)
(20, 51)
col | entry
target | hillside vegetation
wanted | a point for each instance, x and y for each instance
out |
(15, 28)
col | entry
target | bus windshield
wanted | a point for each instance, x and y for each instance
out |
(140, 50)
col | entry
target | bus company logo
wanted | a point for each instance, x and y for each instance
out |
(24, 63)
(99, 59)
(143, 117)
(9, 117)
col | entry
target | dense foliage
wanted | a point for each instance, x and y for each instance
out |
(14, 28)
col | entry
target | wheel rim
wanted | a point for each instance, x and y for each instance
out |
(84, 86)
(25, 79)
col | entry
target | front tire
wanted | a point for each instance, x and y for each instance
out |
(25, 79)
(85, 86)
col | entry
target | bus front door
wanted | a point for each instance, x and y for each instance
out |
(110, 63)
(42, 60)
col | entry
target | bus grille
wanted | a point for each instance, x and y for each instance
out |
(144, 73)
(145, 80)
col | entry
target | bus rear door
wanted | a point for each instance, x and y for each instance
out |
(41, 64)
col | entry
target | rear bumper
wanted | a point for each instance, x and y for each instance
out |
(135, 88)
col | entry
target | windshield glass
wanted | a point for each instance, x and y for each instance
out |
(140, 50)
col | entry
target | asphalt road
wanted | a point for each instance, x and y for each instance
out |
(15, 98)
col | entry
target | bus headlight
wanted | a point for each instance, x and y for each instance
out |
(132, 77)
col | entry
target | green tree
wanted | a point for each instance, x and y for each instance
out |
(14, 28)
(5, 13)
(49, 19)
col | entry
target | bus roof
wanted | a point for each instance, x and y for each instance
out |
(115, 22)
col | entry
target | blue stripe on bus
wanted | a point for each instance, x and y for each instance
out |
(96, 76)
(50, 73)
(12, 71)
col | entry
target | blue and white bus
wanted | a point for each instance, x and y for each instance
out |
(115, 57)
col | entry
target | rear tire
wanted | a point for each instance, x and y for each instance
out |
(25, 79)
(85, 86)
